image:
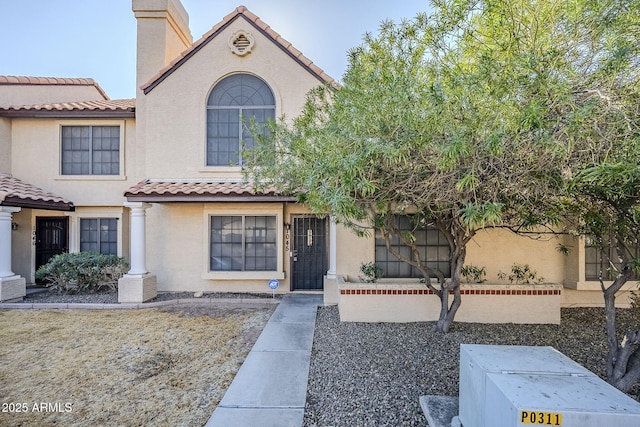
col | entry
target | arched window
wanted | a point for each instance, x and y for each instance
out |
(232, 105)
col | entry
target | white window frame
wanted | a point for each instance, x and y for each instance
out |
(74, 226)
(230, 168)
(121, 173)
(244, 210)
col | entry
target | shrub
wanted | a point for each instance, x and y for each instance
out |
(473, 274)
(521, 274)
(372, 272)
(82, 272)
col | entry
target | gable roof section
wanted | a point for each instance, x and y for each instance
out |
(241, 13)
(14, 192)
(122, 108)
(26, 80)
(184, 190)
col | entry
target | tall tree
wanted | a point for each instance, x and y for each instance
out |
(607, 205)
(466, 117)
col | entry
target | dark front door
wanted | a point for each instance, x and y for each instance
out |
(309, 262)
(52, 236)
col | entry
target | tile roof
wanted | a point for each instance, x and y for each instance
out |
(27, 80)
(14, 192)
(185, 190)
(257, 23)
(116, 107)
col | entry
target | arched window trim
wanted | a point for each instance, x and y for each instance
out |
(228, 121)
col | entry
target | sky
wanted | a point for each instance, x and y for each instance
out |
(97, 38)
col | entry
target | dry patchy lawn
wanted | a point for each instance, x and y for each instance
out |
(121, 367)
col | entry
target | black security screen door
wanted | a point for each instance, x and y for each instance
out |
(51, 237)
(309, 262)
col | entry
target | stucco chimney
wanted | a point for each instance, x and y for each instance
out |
(163, 33)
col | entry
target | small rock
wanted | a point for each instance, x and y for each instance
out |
(198, 294)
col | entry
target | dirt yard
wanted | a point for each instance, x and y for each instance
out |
(121, 367)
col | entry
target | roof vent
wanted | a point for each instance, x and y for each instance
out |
(241, 43)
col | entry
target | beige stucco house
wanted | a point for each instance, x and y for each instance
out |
(158, 180)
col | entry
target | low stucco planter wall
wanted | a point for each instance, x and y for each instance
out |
(414, 302)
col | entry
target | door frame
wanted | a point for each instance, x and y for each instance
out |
(293, 249)
(37, 229)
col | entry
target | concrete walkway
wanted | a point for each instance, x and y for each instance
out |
(270, 389)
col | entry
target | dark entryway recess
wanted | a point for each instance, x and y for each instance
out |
(309, 261)
(52, 237)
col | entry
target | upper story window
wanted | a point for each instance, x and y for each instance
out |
(234, 103)
(90, 150)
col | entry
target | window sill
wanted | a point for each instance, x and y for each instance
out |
(243, 275)
(594, 285)
(215, 169)
(91, 178)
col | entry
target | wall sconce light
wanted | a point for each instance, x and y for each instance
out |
(14, 226)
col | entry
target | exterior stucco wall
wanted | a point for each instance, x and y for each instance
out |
(5, 145)
(178, 248)
(35, 158)
(21, 244)
(353, 251)
(497, 250)
(174, 112)
(162, 33)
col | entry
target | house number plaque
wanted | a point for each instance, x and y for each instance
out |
(287, 239)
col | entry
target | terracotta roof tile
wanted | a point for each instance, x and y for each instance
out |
(243, 12)
(29, 80)
(14, 192)
(124, 106)
(196, 190)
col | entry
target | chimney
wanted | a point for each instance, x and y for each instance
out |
(163, 33)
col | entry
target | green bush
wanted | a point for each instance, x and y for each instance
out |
(82, 272)
(372, 272)
(521, 275)
(474, 274)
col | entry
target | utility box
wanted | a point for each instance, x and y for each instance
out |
(477, 361)
(557, 400)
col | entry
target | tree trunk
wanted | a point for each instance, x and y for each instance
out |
(623, 360)
(448, 313)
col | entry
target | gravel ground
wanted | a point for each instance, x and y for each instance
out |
(373, 374)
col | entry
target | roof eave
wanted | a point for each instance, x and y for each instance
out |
(37, 204)
(164, 198)
(76, 114)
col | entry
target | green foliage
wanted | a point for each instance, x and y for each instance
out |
(371, 271)
(521, 274)
(82, 272)
(474, 274)
(483, 113)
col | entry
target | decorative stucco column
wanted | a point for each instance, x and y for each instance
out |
(138, 238)
(12, 286)
(137, 285)
(331, 274)
(331, 291)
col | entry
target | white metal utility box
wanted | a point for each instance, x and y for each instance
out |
(501, 386)
(557, 400)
